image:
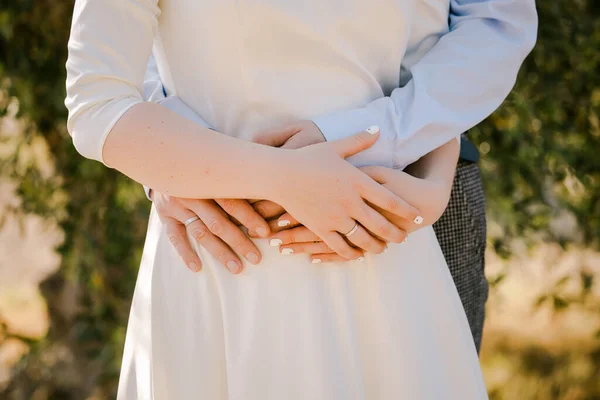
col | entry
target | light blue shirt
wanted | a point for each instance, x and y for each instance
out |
(449, 83)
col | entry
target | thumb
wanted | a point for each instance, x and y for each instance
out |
(275, 137)
(356, 143)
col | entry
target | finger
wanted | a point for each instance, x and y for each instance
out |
(287, 221)
(386, 200)
(378, 225)
(282, 223)
(295, 235)
(219, 225)
(309, 248)
(243, 212)
(222, 253)
(178, 237)
(267, 209)
(362, 239)
(379, 174)
(335, 242)
(329, 258)
(276, 136)
(356, 143)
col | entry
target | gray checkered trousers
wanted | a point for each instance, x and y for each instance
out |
(461, 232)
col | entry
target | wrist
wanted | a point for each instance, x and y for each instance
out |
(273, 172)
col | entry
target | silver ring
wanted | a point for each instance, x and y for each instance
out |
(190, 220)
(353, 230)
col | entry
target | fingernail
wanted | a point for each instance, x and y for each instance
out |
(384, 250)
(275, 242)
(287, 251)
(405, 239)
(233, 266)
(418, 220)
(252, 257)
(194, 266)
(283, 222)
(261, 231)
(373, 129)
(316, 261)
(360, 259)
(252, 234)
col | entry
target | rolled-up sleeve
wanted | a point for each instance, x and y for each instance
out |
(109, 47)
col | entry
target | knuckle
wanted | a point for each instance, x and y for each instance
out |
(383, 230)
(240, 248)
(215, 227)
(174, 239)
(229, 205)
(198, 233)
(393, 203)
(221, 256)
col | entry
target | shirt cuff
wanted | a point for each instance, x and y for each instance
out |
(342, 124)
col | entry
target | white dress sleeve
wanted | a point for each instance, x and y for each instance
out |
(456, 85)
(109, 47)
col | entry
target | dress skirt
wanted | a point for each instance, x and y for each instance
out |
(390, 327)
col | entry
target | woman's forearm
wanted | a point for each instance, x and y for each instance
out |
(171, 154)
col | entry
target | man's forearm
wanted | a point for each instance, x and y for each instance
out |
(439, 164)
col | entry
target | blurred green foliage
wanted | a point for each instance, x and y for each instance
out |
(541, 166)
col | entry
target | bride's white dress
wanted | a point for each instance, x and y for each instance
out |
(391, 327)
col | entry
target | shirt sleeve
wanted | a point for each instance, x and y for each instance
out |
(456, 85)
(109, 47)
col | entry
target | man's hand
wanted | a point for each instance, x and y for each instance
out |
(214, 230)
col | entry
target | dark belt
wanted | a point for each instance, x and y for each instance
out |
(468, 151)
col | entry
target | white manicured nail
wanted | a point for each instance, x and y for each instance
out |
(287, 251)
(373, 129)
(360, 259)
(316, 260)
(384, 250)
(283, 222)
(418, 220)
(275, 242)
(405, 239)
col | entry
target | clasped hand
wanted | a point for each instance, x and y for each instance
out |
(374, 197)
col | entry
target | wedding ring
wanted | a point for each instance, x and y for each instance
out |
(190, 220)
(353, 230)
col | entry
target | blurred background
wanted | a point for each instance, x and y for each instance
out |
(71, 230)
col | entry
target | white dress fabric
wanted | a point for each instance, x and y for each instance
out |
(391, 327)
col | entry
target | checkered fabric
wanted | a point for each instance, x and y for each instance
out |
(461, 232)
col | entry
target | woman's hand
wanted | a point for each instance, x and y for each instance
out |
(214, 229)
(329, 196)
(430, 196)
(428, 187)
